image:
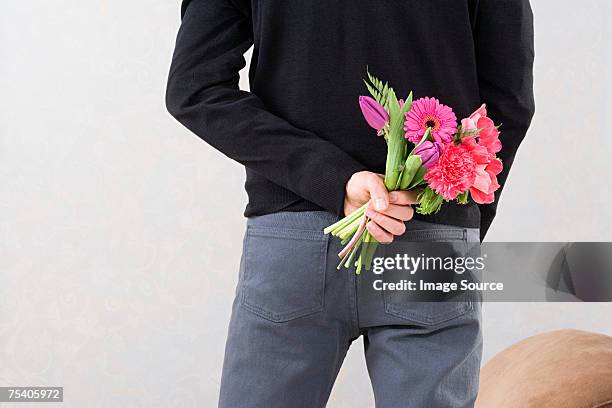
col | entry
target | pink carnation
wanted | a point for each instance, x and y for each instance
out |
(430, 113)
(454, 173)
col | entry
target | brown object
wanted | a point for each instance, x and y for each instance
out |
(561, 369)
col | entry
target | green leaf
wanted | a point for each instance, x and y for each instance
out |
(394, 108)
(384, 101)
(430, 202)
(380, 91)
(463, 198)
(396, 144)
(375, 94)
(407, 105)
(396, 148)
(412, 166)
(418, 179)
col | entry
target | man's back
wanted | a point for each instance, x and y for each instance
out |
(299, 132)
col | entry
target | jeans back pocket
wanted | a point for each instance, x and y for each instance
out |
(444, 243)
(283, 272)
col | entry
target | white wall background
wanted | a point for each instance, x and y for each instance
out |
(120, 232)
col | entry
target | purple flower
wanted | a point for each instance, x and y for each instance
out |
(429, 152)
(376, 116)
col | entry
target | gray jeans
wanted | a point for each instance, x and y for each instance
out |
(295, 316)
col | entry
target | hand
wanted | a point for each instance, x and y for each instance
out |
(388, 211)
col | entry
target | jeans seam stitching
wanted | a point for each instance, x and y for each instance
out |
(418, 318)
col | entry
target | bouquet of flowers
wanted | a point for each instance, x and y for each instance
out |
(426, 150)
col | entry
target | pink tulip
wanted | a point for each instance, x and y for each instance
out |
(483, 148)
(376, 116)
(429, 152)
(485, 184)
(471, 123)
(489, 133)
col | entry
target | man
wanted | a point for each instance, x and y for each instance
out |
(310, 158)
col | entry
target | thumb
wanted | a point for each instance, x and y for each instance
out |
(378, 193)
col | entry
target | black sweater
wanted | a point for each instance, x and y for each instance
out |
(299, 132)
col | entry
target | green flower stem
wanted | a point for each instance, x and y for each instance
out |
(333, 229)
(356, 214)
(359, 232)
(354, 251)
(359, 265)
(345, 221)
(343, 261)
(371, 246)
(347, 259)
(395, 158)
(350, 229)
(364, 250)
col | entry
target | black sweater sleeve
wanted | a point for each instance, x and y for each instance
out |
(504, 39)
(203, 95)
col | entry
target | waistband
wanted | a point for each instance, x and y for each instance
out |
(303, 220)
(319, 220)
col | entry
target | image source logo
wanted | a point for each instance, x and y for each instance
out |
(527, 271)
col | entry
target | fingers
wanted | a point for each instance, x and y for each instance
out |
(367, 186)
(384, 226)
(403, 197)
(399, 212)
(379, 234)
(391, 225)
(378, 192)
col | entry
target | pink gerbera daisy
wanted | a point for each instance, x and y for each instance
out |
(430, 113)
